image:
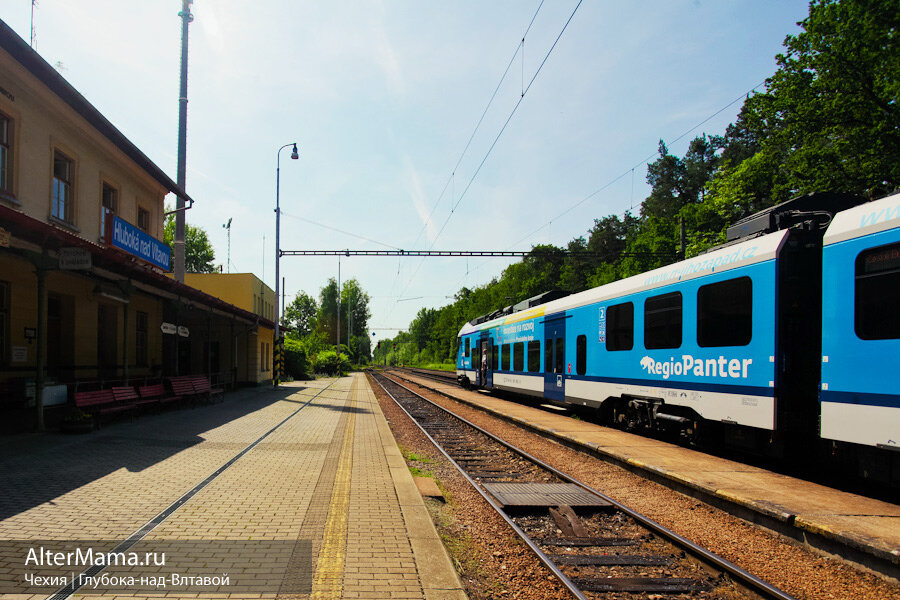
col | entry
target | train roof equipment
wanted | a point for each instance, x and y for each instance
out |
(814, 209)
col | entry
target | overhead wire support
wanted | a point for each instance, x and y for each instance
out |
(451, 253)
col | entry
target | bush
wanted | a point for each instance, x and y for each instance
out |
(329, 363)
(296, 363)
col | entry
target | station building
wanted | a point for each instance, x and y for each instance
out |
(85, 299)
(246, 291)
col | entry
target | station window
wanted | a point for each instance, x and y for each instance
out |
(620, 327)
(62, 189)
(109, 205)
(534, 356)
(662, 321)
(468, 348)
(6, 154)
(141, 320)
(581, 354)
(725, 313)
(143, 222)
(519, 356)
(878, 293)
(4, 322)
(495, 356)
(505, 359)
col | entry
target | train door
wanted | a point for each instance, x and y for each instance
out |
(482, 362)
(555, 358)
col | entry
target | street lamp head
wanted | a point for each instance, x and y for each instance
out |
(294, 154)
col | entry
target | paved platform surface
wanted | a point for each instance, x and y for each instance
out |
(299, 492)
(870, 527)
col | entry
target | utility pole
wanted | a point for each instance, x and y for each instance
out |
(227, 226)
(339, 311)
(186, 18)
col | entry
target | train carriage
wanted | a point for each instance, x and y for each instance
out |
(860, 393)
(787, 337)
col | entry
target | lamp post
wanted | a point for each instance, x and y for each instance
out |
(294, 156)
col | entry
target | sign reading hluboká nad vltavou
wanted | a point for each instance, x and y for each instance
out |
(129, 238)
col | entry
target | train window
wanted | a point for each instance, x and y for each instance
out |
(725, 313)
(534, 356)
(662, 321)
(468, 348)
(878, 293)
(505, 358)
(560, 347)
(548, 355)
(495, 357)
(519, 356)
(581, 354)
(620, 327)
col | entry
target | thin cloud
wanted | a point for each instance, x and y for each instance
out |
(417, 194)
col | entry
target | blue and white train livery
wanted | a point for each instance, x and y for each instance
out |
(783, 339)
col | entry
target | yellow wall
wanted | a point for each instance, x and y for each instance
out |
(42, 122)
(244, 290)
(77, 348)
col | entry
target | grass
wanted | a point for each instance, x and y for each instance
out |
(417, 472)
(411, 456)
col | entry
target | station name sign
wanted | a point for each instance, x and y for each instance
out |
(129, 238)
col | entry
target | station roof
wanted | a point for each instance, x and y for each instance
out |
(51, 237)
(56, 83)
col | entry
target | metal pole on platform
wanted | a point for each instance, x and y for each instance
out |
(186, 18)
(339, 311)
(294, 156)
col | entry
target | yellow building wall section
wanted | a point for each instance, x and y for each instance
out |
(41, 123)
(72, 343)
(261, 363)
(244, 290)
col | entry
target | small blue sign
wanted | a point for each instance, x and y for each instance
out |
(129, 238)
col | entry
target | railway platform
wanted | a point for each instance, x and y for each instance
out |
(294, 492)
(863, 530)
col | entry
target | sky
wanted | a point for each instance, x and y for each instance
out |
(382, 99)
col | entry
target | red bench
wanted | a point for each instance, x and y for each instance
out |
(202, 388)
(155, 393)
(102, 402)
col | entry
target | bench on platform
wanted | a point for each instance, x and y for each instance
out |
(103, 402)
(155, 394)
(203, 388)
(182, 387)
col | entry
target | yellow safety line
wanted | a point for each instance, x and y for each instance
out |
(329, 576)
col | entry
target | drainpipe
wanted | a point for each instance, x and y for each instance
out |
(41, 273)
(125, 341)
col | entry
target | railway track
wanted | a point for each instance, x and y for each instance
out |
(596, 547)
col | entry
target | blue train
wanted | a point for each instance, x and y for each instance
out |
(784, 340)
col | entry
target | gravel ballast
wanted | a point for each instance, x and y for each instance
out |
(796, 569)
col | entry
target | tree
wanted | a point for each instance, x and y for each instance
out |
(198, 251)
(300, 314)
(830, 117)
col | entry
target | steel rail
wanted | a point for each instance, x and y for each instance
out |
(744, 578)
(568, 583)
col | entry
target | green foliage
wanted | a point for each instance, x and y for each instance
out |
(354, 326)
(830, 117)
(296, 363)
(329, 363)
(198, 251)
(300, 314)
